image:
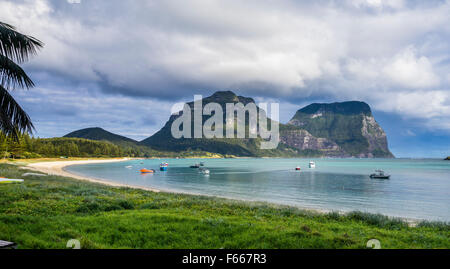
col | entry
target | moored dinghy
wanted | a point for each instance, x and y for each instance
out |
(163, 166)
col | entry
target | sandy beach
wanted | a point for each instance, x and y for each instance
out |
(57, 168)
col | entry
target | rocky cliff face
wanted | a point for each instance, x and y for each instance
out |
(303, 140)
(337, 130)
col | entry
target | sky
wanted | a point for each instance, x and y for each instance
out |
(122, 64)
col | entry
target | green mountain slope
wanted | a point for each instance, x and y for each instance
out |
(127, 145)
(99, 134)
(239, 147)
(345, 129)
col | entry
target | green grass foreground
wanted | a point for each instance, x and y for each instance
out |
(46, 212)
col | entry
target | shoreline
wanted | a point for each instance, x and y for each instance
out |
(58, 168)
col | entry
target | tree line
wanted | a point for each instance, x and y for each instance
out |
(25, 147)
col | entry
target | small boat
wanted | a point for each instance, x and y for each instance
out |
(129, 166)
(298, 168)
(204, 171)
(312, 165)
(202, 164)
(196, 166)
(147, 171)
(163, 166)
(380, 175)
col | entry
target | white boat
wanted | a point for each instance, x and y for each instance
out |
(204, 171)
(312, 165)
(129, 166)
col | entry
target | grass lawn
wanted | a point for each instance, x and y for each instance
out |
(46, 212)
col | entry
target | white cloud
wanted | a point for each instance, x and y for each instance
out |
(403, 70)
(432, 107)
(378, 4)
(282, 49)
(410, 71)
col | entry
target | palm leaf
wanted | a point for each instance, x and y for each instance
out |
(16, 46)
(13, 119)
(12, 75)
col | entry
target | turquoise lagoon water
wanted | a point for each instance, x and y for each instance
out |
(418, 189)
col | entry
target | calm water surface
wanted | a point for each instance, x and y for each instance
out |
(417, 189)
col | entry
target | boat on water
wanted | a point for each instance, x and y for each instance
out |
(204, 171)
(380, 174)
(147, 171)
(312, 165)
(202, 164)
(163, 166)
(298, 168)
(129, 166)
(195, 166)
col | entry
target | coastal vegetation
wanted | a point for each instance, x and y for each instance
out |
(46, 212)
(27, 147)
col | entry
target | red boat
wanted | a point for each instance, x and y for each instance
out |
(147, 171)
(298, 169)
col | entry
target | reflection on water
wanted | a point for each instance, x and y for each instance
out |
(417, 189)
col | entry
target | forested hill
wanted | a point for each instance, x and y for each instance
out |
(248, 147)
(28, 147)
(99, 134)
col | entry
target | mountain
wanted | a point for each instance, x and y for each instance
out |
(164, 140)
(345, 129)
(125, 145)
(100, 134)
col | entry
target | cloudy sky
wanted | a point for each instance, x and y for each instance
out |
(121, 64)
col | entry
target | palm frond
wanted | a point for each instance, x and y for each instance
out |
(13, 119)
(16, 46)
(12, 75)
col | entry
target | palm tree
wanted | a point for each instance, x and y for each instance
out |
(14, 48)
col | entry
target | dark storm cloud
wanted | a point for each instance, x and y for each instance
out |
(171, 50)
(153, 53)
